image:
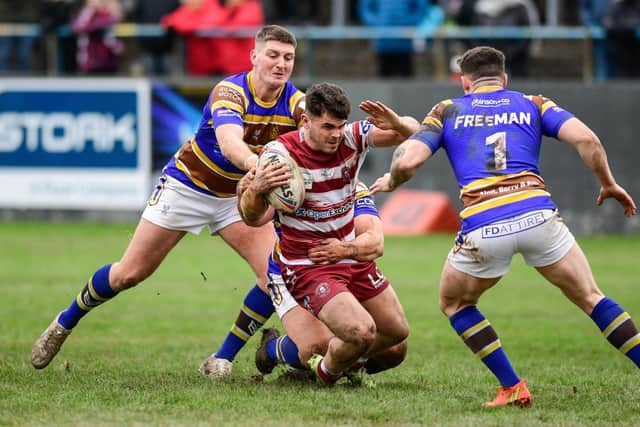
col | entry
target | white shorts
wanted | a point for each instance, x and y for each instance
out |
(175, 206)
(282, 300)
(540, 236)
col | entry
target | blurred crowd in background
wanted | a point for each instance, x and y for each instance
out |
(85, 43)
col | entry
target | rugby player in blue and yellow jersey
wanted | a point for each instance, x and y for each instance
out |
(198, 186)
(492, 137)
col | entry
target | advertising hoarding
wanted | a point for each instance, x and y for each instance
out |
(75, 143)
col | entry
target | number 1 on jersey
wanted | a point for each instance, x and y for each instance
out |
(499, 142)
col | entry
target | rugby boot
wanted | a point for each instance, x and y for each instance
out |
(359, 378)
(48, 345)
(215, 368)
(357, 374)
(263, 362)
(321, 376)
(517, 395)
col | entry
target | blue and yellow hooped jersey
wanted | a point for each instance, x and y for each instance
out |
(492, 138)
(200, 163)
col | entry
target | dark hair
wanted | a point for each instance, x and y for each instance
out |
(323, 98)
(482, 61)
(277, 33)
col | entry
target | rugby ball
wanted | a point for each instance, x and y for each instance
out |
(288, 197)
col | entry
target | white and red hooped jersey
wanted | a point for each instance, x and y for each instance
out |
(330, 189)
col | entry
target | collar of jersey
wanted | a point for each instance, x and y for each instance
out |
(484, 89)
(255, 96)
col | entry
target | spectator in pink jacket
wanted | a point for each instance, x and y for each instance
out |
(97, 48)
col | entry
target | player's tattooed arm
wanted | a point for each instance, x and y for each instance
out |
(407, 158)
(396, 175)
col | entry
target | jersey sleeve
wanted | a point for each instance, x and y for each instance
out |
(363, 130)
(275, 145)
(552, 116)
(228, 104)
(430, 132)
(365, 204)
(296, 105)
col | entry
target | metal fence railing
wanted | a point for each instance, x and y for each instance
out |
(311, 35)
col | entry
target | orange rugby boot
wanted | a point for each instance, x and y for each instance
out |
(517, 395)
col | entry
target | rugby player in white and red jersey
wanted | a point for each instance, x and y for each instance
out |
(353, 298)
(492, 137)
(305, 334)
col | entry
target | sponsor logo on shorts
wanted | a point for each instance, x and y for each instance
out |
(376, 280)
(276, 295)
(515, 226)
(155, 197)
(323, 289)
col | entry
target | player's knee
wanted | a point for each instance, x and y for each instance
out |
(362, 335)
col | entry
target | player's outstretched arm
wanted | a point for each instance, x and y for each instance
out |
(367, 246)
(233, 147)
(407, 158)
(391, 129)
(593, 154)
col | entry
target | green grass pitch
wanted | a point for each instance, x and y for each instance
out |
(134, 360)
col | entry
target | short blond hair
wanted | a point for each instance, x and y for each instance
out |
(277, 33)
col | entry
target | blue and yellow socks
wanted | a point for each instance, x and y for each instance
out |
(284, 350)
(255, 311)
(94, 293)
(618, 328)
(478, 334)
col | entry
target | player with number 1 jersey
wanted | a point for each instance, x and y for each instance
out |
(492, 138)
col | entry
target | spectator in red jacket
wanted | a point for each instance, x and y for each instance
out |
(234, 52)
(216, 55)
